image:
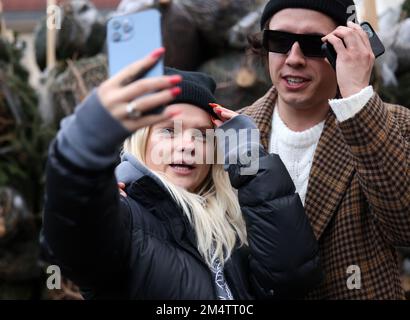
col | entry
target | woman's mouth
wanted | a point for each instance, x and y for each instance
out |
(182, 168)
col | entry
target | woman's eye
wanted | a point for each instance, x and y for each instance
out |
(167, 131)
(200, 136)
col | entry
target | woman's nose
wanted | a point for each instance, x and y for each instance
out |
(186, 143)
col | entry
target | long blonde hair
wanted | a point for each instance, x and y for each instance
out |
(214, 211)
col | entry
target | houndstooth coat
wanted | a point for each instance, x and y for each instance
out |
(358, 197)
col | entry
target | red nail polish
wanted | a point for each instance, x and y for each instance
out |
(176, 91)
(175, 79)
(157, 53)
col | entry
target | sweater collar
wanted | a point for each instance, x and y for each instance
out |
(292, 138)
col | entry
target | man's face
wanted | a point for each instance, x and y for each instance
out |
(317, 75)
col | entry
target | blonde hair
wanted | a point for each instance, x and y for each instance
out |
(213, 212)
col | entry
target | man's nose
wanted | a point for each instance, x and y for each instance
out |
(295, 57)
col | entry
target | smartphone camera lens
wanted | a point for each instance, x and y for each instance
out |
(127, 27)
(116, 25)
(116, 36)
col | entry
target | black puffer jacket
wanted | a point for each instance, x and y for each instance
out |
(142, 247)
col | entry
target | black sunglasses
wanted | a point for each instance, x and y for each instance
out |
(282, 42)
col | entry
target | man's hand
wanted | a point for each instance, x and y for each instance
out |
(355, 58)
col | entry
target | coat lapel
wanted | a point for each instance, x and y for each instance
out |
(261, 112)
(330, 176)
(332, 167)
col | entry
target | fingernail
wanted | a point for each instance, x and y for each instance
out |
(176, 91)
(157, 53)
(175, 79)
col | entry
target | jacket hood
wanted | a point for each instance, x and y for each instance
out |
(131, 169)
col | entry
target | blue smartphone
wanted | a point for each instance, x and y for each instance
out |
(131, 37)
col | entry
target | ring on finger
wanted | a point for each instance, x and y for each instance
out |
(132, 111)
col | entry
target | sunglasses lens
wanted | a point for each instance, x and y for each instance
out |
(281, 42)
(276, 41)
(312, 47)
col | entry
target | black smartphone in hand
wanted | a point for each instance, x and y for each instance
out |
(375, 42)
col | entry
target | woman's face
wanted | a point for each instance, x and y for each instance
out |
(179, 147)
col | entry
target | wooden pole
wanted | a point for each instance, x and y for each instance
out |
(2, 23)
(51, 38)
(370, 13)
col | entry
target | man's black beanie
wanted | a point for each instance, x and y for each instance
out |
(339, 10)
(197, 89)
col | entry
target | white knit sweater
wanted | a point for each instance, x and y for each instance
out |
(297, 149)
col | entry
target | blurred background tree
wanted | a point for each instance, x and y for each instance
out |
(23, 150)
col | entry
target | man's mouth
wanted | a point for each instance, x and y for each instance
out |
(295, 82)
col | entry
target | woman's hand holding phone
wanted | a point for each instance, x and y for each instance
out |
(127, 101)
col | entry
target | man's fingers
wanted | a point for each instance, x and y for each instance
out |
(337, 43)
(349, 37)
(353, 37)
(363, 35)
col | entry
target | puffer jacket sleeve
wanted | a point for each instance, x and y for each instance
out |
(283, 252)
(86, 224)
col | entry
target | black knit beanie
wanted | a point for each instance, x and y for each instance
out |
(197, 89)
(338, 10)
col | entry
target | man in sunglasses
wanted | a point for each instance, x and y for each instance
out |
(347, 152)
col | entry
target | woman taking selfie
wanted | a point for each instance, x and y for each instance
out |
(186, 229)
